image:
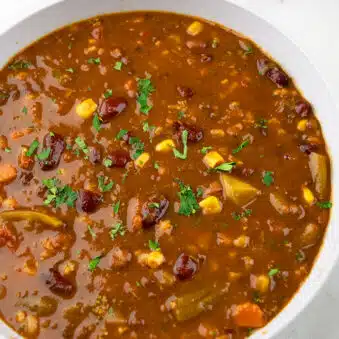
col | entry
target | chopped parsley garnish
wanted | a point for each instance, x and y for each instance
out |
(118, 229)
(108, 93)
(91, 231)
(96, 122)
(324, 204)
(24, 110)
(188, 201)
(146, 127)
(145, 88)
(81, 144)
(154, 205)
(261, 123)
(93, 264)
(181, 114)
(238, 216)
(8, 150)
(256, 298)
(20, 64)
(267, 178)
(70, 70)
(138, 147)
(156, 165)
(215, 43)
(116, 207)
(225, 167)
(273, 271)
(118, 66)
(153, 245)
(206, 149)
(95, 61)
(300, 256)
(200, 192)
(124, 177)
(241, 146)
(44, 154)
(105, 184)
(57, 194)
(121, 134)
(108, 162)
(183, 155)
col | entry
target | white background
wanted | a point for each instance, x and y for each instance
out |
(314, 26)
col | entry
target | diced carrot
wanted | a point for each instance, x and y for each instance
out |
(248, 315)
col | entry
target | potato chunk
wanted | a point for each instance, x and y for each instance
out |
(211, 205)
(86, 108)
(195, 28)
(142, 160)
(165, 146)
(213, 159)
(7, 173)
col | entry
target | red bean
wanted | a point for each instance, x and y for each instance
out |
(153, 210)
(119, 158)
(185, 92)
(56, 146)
(205, 58)
(308, 148)
(87, 201)
(111, 107)
(59, 285)
(195, 134)
(303, 109)
(185, 267)
(94, 155)
(278, 77)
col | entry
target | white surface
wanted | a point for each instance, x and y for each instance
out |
(311, 24)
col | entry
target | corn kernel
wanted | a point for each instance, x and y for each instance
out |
(86, 108)
(242, 241)
(142, 159)
(165, 146)
(213, 159)
(220, 133)
(211, 205)
(308, 196)
(302, 124)
(195, 28)
(155, 259)
(262, 283)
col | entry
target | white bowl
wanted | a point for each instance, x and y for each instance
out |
(273, 42)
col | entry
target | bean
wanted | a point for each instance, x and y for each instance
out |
(303, 108)
(119, 158)
(59, 285)
(111, 107)
(262, 66)
(56, 144)
(195, 134)
(94, 155)
(205, 58)
(185, 92)
(185, 267)
(278, 77)
(308, 148)
(153, 210)
(87, 201)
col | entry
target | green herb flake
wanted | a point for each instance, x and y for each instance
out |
(138, 147)
(44, 154)
(225, 167)
(121, 134)
(124, 177)
(8, 150)
(96, 122)
(241, 146)
(156, 165)
(116, 207)
(19, 64)
(267, 178)
(118, 229)
(206, 149)
(105, 184)
(244, 214)
(181, 115)
(153, 245)
(324, 204)
(257, 298)
(215, 43)
(24, 110)
(145, 88)
(95, 61)
(118, 66)
(70, 70)
(300, 256)
(91, 232)
(183, 155)
(93, 264)
(81, 144)
(57, 194)
(108, 162)
(188, 201)
(273, 271)
(154, 205)
(200, 192)
(138, 284)
(261, 123)
(108, 93)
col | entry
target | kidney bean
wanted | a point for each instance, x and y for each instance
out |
(278, 77)
(153, 210)
(204, 58)
(185, 267)
(195, 134)
(87, 201)
(303, 108)
(111, 107)
(59, 285)
(185, 92)
(56, 144)
(94, 155)
(196, 44)
(119, 158)
(308, 148)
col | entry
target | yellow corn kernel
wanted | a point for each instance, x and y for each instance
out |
(86, 108)
(302, 124)
(155, 259)
(142, 159)
(211, 205)
(262, 283)
(308, 196)
(242, 241)
(195, 28)
(220, 133)
(165, 146)
(213, 159)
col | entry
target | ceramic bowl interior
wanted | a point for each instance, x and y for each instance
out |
(273, 42)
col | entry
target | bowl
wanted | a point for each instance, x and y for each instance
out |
(273, 43)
